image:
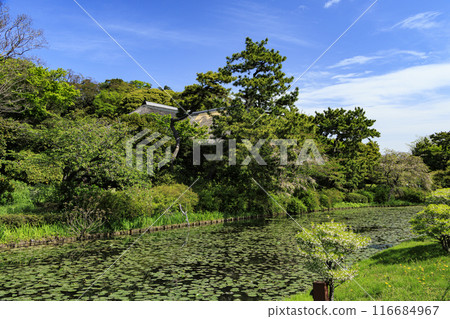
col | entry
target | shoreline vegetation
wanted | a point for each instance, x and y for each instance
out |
(416, 269)
(27, 235)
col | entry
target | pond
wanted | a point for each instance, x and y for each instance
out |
(247, 260)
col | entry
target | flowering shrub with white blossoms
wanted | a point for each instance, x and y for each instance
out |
(326, 247)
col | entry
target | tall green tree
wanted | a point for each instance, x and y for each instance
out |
(33, 90)
(434, 150)
(208, 93)
(344, 129)
(47, 92)
(259, 80)
(344, 133)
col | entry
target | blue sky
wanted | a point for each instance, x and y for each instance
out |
(394, 62)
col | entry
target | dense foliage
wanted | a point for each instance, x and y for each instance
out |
(435, 152)
(434, 221)
(439, 196)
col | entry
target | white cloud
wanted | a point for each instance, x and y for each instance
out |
(360, 60)
(161, 34)
(407, 103)
(417, 54)
(290, 39)
(329, 3)
(421, 21)
(342, 77)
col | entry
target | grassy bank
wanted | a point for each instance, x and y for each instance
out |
(26, 232)
(40, 230)
(413, 270)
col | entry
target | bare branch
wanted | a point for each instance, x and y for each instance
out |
(17, 36)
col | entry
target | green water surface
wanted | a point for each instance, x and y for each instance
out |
(248, 260)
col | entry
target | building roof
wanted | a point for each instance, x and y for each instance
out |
(203, 118)
(161, 109)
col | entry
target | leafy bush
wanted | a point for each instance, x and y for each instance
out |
(412, 195)
(325, 201)
(5, 185)
(356, 198)
(381, 194)
(208, 200)
(118, 205)
(370, 195)
(279, 202)
(441, 178)
(136, 202)
(439, 196)
(17, 220)
(17, 193)
(231, 200)
(326, 247)
(309, 197)
(334, 195)
(165, 195)
(295, 206)
(434, 221)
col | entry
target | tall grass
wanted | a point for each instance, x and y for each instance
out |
(27, 232)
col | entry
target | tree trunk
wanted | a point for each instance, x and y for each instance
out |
(445, 242)
(331, 291)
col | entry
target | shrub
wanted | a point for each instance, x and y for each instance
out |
(439, 196)
(42, 194)
(208, 200)
(325, 201)
(231, 201)
(356, 198)
(434, 221)
(381, 194)
(17, 220)
(165, 195)
(412, 195)
(84, 220)
(5, 185)
(309, 197)
(295, 206)
(370, 195)
(279, 202)
(334, 195)
(326, 247)
(16, 193)
(135, 202)
(441, 178)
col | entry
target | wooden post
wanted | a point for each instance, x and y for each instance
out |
(320, 291)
